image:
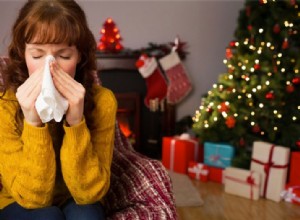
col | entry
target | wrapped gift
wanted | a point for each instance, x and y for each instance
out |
(198, 171)
(291, 194)
(177, 152)
(218, 154)
(271, 162)
(294, 176)
(244, 183)
(215, 174)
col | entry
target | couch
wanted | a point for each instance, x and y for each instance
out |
(140, 187)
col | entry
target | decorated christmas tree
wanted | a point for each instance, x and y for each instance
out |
(258, 98)
(110, 39)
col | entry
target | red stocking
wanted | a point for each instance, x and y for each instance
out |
(155, 81)
(179, 83)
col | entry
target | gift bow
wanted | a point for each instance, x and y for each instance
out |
(267, 166)
(249, 181)
(198, 169)
(289, 195)
(217, 158)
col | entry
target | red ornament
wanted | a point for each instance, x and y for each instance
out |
(256, 66)
(293, 2)
(270, 96)
(249, 27)
(285, 44)
(230, 122)
(252, 39)
(276, 29)
(256, 129)
(228, 53)
(223, 107)
(296, 80)
(290, 88)
(110, 40)
(232, 43)
(209, 110)
(297, 143)
(242, 142)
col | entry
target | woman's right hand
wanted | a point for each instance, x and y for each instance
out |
(27, 94)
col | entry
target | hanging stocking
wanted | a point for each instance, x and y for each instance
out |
(155, 81)
(179, 83)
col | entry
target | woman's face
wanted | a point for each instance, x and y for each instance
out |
(67, 57)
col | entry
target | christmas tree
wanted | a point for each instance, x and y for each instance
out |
(110, 40)
(258, 98)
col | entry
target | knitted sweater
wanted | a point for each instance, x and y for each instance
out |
(36, 171)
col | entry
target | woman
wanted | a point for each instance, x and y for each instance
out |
(54, 170)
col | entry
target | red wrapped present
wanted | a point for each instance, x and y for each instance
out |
(244, 183)
(291, 194)
(294, 176)
(198, 171)
(271, 162)
(215, 174)
(177, 152)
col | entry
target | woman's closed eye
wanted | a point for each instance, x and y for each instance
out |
(65, 57)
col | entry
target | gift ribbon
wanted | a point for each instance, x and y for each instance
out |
(249, 181)
(217, 158)
(172, 151)
(198, 170)
(267, 167)
(289, 195)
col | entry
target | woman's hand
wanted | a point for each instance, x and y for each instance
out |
(27, 94)
(73, 91)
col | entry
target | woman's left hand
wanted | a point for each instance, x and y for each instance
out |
(72, 90)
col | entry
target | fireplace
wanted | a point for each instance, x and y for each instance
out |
(144, 128)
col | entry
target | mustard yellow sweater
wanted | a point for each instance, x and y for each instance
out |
(37, 173)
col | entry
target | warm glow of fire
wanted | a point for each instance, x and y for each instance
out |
(124, 126)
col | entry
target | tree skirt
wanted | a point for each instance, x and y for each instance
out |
(184, 191)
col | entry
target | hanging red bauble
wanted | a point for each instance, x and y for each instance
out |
(230, 122)
(285, 44)
(293, 2)
(290, 88)
(228, 53)
(256, 66)
(256, 129)
(270, 95)
(232, 43)
(230, 70)
(223, 107)
(252, 39)
(296, 80)
(297, 143)
(209, 110)
(276, 29)
(249, 27)
(242, 142)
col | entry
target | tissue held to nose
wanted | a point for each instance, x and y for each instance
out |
(50, 104)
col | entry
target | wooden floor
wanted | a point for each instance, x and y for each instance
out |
(222, 206)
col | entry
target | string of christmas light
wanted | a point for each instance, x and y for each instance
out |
(262, 78)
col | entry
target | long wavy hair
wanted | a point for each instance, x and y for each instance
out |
(52, 22)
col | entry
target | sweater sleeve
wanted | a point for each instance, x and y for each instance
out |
(27, 160)
(86, 155)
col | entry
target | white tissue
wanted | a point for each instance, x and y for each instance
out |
(50, 104)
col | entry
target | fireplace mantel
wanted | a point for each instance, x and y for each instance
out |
(115, 61)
